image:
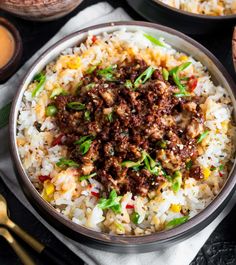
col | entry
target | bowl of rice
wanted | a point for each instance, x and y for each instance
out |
(123, 136)
(192, 17)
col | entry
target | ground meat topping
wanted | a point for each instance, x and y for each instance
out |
(122, 124)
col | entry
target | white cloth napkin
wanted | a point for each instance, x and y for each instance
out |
(179, 254)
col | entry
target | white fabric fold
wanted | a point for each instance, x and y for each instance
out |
(181, 253)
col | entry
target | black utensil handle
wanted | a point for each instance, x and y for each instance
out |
(52, 257)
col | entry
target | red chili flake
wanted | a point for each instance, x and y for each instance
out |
(96, 194)
(129, 206)
(221, 174)
(43, 178)
(58, 140)
(90, 186)
(94, 38)
(192, 83)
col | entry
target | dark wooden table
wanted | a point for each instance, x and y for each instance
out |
(220, 249)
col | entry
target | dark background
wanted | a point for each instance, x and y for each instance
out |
(220, 249)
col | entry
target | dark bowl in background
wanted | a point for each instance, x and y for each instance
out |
(189, 23)
(104, 241)
(12, 65)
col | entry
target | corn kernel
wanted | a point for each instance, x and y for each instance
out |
(74, 63)
(183, 58)
(175, 208)
(48, 187)
(224, 125)
(206, 172)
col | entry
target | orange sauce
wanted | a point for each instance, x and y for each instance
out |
(7, 46)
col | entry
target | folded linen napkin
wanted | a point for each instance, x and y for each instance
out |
(179, 254)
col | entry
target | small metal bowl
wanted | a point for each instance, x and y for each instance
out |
(8, 69)
(189, 23)
(101, 240)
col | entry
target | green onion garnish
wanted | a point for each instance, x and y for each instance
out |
(144, 76)
(84, 143)
(63, 162)
(51, 110)
(154, 40)
(110, 117)
(177, 181)
(107, 73)
(177, 221)
(135, 218)
(58, 91)
(165, 74)
(40, 78)
(76, 105)
(202, 136)
(87, 115)
(112, 202)
(128, 84)
(87, 176)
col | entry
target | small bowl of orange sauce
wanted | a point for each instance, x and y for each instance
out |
(10, 49)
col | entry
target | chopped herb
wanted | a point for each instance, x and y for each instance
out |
(107, 73)
(112, 202)
(63, 162)
(175, 74)
(87, 115)
(202, 136)
(165, 74)
(90, 86)
(40, 78)
(189, 164)
(131, 164)
(84, 143)
(91, 69)
(128, 84)
(221, 167)
(135, 218)
(58, 91)
(76, 105)
(150, 164)
(154, 40)
(177, 221)
(110, 117)
(144, 76)
(87, 176)
(212, 168)
(177, 181)
(51, 110)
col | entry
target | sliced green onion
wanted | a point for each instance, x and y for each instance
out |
(51, 110)
(84, 143)
(131, 164)
(221, 167)
(144, 76)
(175, 74)
(128, 84)
(87, 176)
(177, 221)
(154, 40)
(179, 68)
(87, 115)
(76, 105)
(40, 78)
(112, 202)
(91, 69)
(177, 181)
(63, 162)
(58, 91)
(135, 218)
(120, 226)
(110, 117)
(202, 136)
(165, 74)
(107, 73)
